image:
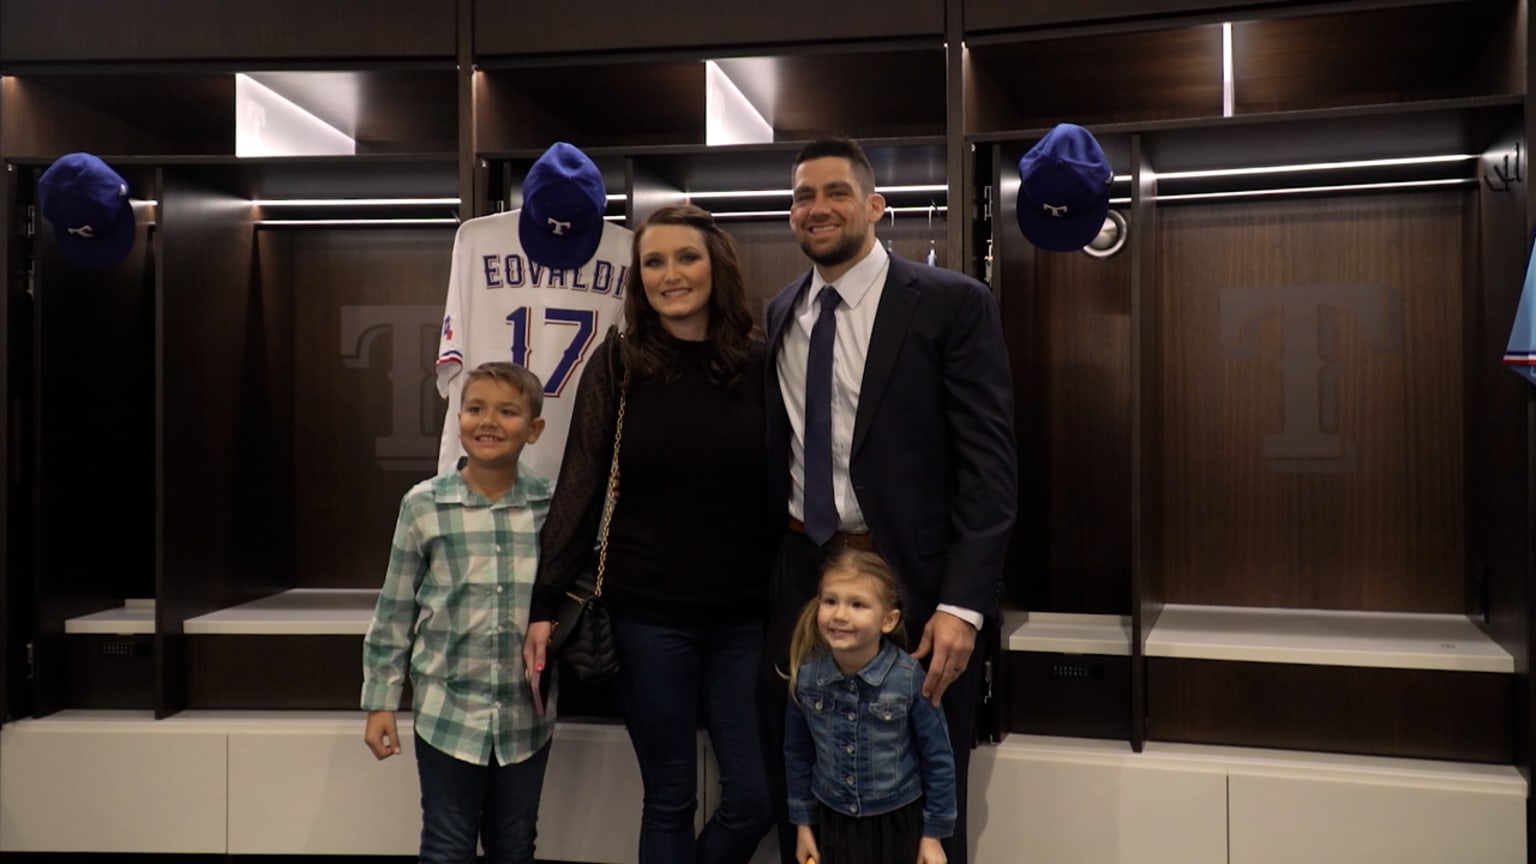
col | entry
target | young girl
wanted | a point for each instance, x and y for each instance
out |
(871, 777)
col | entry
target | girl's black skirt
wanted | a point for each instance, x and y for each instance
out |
(890, 838)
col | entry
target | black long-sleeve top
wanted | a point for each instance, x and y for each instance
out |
(692, 534)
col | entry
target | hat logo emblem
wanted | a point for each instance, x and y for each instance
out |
(85, 231)
(560, 227)
(1054, 211)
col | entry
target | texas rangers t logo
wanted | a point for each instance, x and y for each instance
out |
(1309, 440)
(559, 226)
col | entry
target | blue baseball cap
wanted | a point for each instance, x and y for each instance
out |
(1063, 189)
(561, 221)
(86, 202)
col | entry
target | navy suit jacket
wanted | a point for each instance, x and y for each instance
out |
(933, 460)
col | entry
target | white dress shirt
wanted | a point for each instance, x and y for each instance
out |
(860, 289)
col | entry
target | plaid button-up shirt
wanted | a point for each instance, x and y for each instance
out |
(454, 608)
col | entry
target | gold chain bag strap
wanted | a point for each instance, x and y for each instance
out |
(582, 639)
(612, 494)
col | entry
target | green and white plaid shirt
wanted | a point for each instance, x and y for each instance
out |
(455, 607)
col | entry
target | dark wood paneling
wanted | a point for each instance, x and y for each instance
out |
(1024, 313)
(1499, 426)
(633, 104)
(110, 672)
(1312, 397)
(1148, 576)
(317, 673)
(1464, 716)
(525, 27)
(366, 420)
(15, 600)
(1076, 695)
(1088, 369)
(1067, 320)
(72, 31)
(1415, 53)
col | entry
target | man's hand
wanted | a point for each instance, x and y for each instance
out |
(380, 734)
(951, 640)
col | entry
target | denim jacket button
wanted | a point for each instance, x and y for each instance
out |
(848, 747)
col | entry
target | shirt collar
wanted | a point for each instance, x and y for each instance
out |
(450, 488)
(873, 673)
(854, 285)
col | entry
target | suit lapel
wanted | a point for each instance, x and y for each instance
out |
(897, 303)
(778, 314)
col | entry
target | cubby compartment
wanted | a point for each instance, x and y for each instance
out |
(1034, 80)
(1068, 674)
(1301, 60)
(316, 356)
(136, 111)
(1316, 463)
(599, 101)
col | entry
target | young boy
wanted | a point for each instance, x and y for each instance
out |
(453, 609)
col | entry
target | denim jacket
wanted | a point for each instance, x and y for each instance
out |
(868, 743)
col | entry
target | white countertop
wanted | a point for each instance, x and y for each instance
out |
(296, 612)
(1389, 640)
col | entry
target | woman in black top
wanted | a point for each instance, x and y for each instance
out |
(691, 536)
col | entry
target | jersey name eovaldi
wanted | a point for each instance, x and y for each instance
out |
(502, 305)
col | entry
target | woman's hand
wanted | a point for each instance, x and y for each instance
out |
(534, 646)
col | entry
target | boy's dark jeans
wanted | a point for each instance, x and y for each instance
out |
(461, 802)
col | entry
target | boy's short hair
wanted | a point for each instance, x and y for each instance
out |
(513, 375)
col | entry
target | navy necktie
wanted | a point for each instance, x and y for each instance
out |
(820, 506)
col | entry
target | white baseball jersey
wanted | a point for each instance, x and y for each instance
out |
(504, 306)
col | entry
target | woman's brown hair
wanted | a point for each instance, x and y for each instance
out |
(732, 336)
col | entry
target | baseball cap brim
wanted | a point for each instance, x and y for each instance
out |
(566, 251)
(1067, 233)
(107, 246)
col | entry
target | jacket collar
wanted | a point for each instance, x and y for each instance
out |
(873, 673)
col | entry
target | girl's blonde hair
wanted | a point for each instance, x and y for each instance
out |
(807, 640)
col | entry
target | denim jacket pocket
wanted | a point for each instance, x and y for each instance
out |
(890, 716)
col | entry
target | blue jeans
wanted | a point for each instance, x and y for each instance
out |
(663, 673)
(462, 802)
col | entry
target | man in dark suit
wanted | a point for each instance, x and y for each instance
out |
(922, 456)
